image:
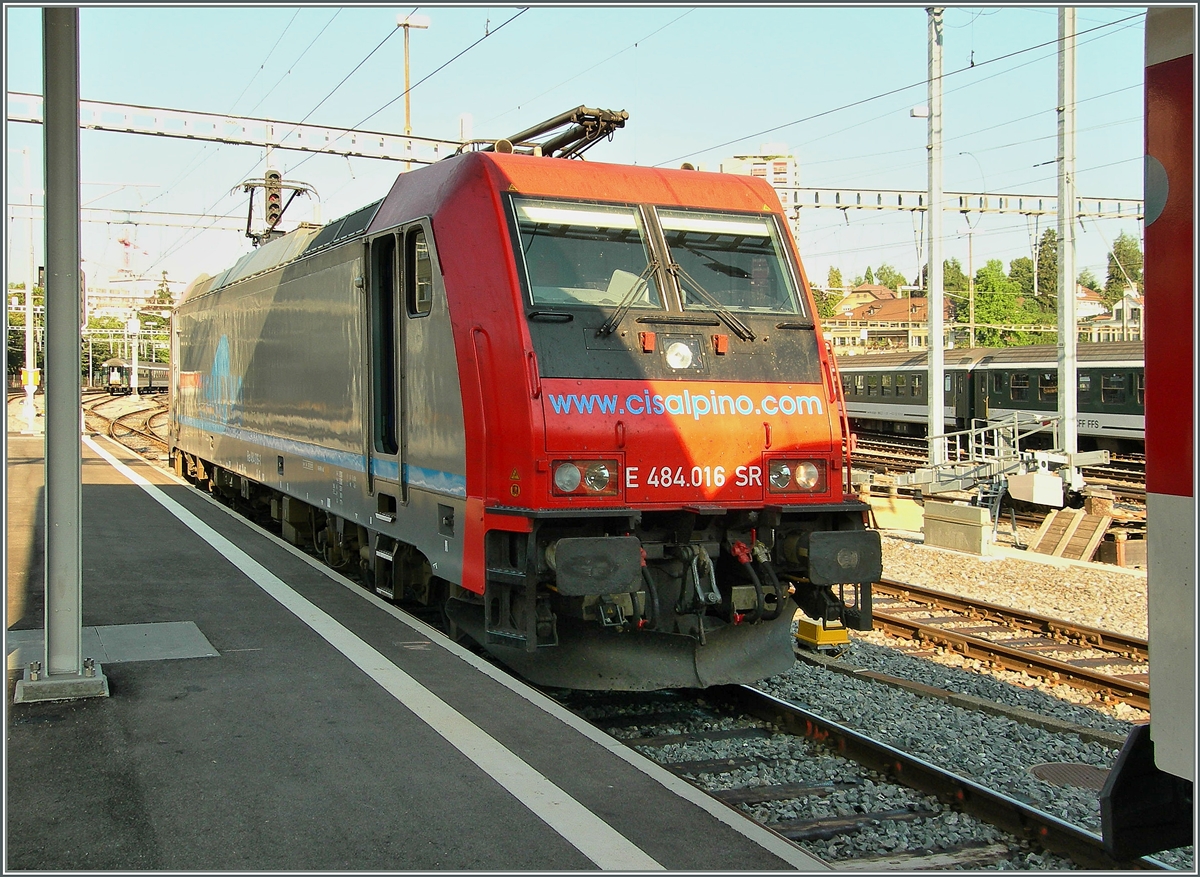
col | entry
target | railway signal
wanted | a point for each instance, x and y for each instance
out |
(272, 184)
(274, 198)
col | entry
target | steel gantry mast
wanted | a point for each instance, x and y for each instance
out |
(241, 130)
(934, 306)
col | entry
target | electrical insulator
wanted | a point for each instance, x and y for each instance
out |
(274, 196)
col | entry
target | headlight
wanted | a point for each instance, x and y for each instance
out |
(807, 476)
(598, 477)
(679, 355)
(781, 475)
(586, 477)
(796, 476)
(567, 477)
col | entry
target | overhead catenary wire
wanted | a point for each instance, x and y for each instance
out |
(208, 151)
(426, 78)
(632, 45)
(1107, 25)
(186, 239)
(299, 57)
(893, 91)
(262, 67)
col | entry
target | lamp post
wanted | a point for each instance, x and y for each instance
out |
(420, 22)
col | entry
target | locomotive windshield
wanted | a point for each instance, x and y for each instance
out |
(737, 259)
(587, 254)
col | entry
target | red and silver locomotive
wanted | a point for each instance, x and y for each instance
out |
(585, 409)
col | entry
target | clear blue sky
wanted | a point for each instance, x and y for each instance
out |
(700, 83)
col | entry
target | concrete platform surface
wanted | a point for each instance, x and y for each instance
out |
(266, 714)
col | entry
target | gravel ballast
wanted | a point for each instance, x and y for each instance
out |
(995, 750)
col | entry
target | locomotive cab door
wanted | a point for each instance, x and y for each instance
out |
(385, 462)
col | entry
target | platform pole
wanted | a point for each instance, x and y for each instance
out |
(67, 675)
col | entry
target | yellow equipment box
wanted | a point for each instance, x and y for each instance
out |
(820, 636)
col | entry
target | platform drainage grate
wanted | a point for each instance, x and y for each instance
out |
(1083, 776)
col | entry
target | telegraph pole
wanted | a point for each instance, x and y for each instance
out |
(937, 370)
(1068, 335)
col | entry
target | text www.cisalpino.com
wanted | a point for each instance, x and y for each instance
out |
(697, 406)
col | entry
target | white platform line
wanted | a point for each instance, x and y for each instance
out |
(589, 834)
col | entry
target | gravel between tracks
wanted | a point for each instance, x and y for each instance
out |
(994, 750)
(1108, 598)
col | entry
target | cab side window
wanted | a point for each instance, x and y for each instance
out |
(418, 278)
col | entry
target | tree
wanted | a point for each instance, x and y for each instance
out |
(1020, 271)
(868, 277)
(999, 302)
(1047, 270)
(1088, 279)
(15, 346)
(890, 277)
(162, 292)
(1124, 268)
(826, 302)
(834, 280)
(954, 278)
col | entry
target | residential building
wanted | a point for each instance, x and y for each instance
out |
(884, 324)
(1088, 303)
(865, 293)
(1123, 324)
(772, 164)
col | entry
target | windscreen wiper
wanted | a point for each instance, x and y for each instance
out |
(618, 315)
(740, 329)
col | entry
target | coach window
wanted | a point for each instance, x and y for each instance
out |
(916, 385)
(901, 384)
(872, 385)
(885, 385)
(1141, 388)
(1048, 387)
(858, 385)
(1112, 389)
(1085, 387)
(997, 382)
(419, 276)
(1019, 387)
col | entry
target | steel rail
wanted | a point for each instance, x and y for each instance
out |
(1053, 834)
(1136, 648)
(1106, 686)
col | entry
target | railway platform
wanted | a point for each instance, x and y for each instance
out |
(266, 714)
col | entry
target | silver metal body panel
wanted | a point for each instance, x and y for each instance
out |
(273, 385)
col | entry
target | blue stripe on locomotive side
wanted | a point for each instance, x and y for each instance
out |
(433, 480)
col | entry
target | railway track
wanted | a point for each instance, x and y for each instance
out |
(761, 739)
(139, 430)
(1112, 666)
(1124, 475)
